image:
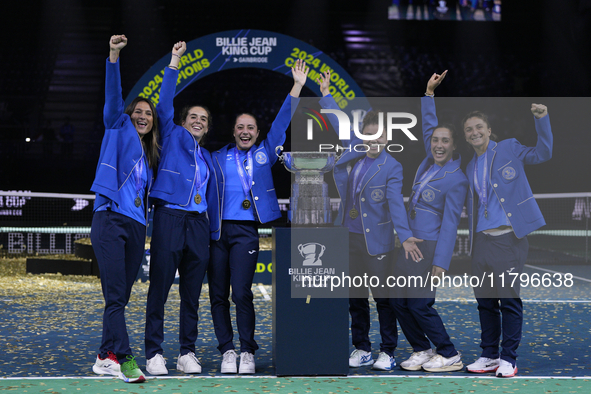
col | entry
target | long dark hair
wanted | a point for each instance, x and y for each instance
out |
(150, 140)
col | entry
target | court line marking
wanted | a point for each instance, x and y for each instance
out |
(557, 272)
(424, 376)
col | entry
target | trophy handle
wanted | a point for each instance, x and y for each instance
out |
(278, 148)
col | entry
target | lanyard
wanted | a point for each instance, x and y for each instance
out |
(198, 183)
(425, 178)
(139, 168)
(356, 189)
(245, 178)
(482, 192)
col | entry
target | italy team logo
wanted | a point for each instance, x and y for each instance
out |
(428, 195)
(260, 157)
(377, 195)
(509, 173)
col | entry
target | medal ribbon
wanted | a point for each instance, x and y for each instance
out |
(356, 189)
(245, 178)
(482, 192)
(425, 178)
(198, 183)
(139, 168)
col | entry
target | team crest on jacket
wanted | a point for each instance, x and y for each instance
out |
(428, 195)
(377, 195)
(509, 173)
(260, 157)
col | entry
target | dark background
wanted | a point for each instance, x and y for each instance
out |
(53, 55)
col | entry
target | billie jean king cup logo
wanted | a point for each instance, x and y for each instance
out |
(311, 252)
(358, 115)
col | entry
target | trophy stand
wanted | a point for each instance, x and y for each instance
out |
(310, 319)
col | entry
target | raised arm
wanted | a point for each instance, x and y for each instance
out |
(428, 113)
(276, 135)
(433, 82)
(543, 150)
(116, 44)
(328, 102)
(114, 105)
(165, 107)
(324, 81)
(300, 74)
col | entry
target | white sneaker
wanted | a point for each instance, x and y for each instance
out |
(484, 365)
(506, 369)
(384, 362)
(246, 363)
(156, 365)
(438, 363)
(416, 360)
(188, 363)
(107, 366)
(359, 358)
(229, 362)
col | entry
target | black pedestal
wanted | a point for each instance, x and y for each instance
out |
(310, 334)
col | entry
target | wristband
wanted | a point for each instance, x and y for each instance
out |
(429, 95)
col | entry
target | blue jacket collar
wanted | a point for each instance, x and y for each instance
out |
(491, 148)
(233, 145)
(452, 165)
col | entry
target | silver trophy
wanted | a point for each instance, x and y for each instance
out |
(309, 201)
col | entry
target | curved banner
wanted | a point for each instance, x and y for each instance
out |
(247, 48)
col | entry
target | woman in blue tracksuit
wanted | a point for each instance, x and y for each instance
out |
(502, 211)
(180, 239)
(435, 207)
(246, 197)
(370, 187)
(124, 175)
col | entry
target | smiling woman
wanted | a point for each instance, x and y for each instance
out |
(477, 131)
(197, 120)
(246, 131)
(247, 197)
(124, 176)
(142, 118)
(435, 206)
(180, 237)
(369, 182)
(501, 213)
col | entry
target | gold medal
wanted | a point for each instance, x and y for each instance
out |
(197, 198)
(353, 213)
(245, 204)
(413, 214)
(137, 201)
